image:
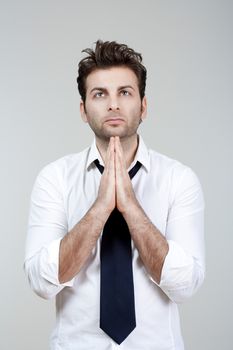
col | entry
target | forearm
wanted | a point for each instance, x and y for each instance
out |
(53, 266)
(177, 271)
(76, 246)
(150, 243)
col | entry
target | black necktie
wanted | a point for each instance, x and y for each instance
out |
(117, 311)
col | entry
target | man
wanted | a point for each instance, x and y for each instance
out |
(72, 213)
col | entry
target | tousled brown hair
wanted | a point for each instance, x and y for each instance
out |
(110, 54)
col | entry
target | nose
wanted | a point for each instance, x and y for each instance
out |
(113, 104)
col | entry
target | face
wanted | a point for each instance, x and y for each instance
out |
(113, 106)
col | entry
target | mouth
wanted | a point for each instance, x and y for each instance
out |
(114, 121)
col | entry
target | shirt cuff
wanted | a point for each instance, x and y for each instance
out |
(49, 264)
(177, 271)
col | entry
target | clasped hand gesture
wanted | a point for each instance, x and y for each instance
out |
(115, 187)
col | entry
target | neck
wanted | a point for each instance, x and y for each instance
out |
(129, 146)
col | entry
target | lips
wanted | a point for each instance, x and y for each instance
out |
(114, 121)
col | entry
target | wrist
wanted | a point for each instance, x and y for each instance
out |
(100, 210)
(132, 208)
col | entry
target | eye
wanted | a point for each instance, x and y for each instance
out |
(99, 94)
(125, 93)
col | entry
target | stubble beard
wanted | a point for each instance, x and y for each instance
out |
(124, 131)
(104, 134)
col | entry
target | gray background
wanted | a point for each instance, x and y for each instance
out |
(188, 51)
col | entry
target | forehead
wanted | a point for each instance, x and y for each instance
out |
(111, 78)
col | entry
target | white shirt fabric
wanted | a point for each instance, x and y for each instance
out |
(171, 195)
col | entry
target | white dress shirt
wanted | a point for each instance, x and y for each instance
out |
(171, 196)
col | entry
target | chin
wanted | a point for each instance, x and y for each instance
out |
(115, 132)
(105, 134)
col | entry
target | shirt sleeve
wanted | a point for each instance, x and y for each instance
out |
(184, 266)
(47, 225)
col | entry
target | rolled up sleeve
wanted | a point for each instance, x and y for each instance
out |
(47, 225)
(184, 266)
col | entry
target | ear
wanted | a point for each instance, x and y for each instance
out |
(144, 108)
(83, 111)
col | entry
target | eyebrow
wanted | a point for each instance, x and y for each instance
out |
(99, 88)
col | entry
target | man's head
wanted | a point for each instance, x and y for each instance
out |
(110, 54)
(112, 83)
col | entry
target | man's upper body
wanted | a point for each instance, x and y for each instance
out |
(163, 206)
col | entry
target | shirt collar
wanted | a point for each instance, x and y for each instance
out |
(142, 155)
(93, 155)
